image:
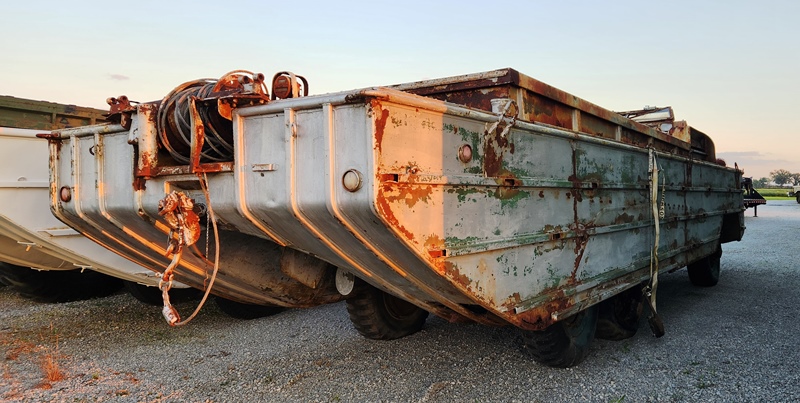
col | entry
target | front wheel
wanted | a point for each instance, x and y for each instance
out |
(563, 344)
(705, 272)
(381, 316)
(618, 316)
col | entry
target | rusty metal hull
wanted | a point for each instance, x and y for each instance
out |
(536, 222)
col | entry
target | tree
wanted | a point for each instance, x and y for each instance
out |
(760, 183)
(795, 179)
(781, 176)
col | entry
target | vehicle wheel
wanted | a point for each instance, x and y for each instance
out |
(58, 285)
(705, 272)
(563, 344)
(381, 316)
(797, 197)
(618, 316)
(152, 295)
(240, 310)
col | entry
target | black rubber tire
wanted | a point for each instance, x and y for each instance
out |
(152, 295)
(619, 316)
(705, 272)
(240, 310)
(58, 285)
(563, 344)
(380, 316)
(797, 197)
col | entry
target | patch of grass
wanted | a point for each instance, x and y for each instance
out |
(51, 367)
(617, 399)
(269, 378)
(703, 383)
(775, 193)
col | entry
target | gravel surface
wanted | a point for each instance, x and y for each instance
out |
(733, 342)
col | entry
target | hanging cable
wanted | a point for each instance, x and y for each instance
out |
(174, 117)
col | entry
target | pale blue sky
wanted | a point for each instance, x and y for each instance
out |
(729, 68)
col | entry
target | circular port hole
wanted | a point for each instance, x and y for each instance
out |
(465, 153)
(65, 194)
(352, 180)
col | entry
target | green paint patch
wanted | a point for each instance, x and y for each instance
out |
(477, 170)
(463, 192)
(452, 241)
(509, 197)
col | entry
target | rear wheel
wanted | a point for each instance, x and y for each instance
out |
(240, 310)
(705, 272)
(563, 344)
(618, 316)
(382, 316)
(58, 285)
(797, 197)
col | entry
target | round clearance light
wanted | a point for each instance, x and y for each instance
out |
(65, 194)
(465, 153)
(352, 180)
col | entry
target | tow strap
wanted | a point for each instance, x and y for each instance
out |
(658, 212)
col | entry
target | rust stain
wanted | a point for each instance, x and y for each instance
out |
(451, 270)
(623, 218)
(145, 163)
(139, 183)
(380, 123)
(493, 149)
(434, 242)
(410, 194)
(435, 246)
(511, 302)
(385, 209)
(540, 317)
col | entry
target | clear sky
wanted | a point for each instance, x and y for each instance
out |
(729, 68)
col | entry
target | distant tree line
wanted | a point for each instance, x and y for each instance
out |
(779, 177)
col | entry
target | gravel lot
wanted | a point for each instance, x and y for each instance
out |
(733, 342)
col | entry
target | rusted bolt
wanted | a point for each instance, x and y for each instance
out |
(65, 194)
(352, 180)
(465, 153)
